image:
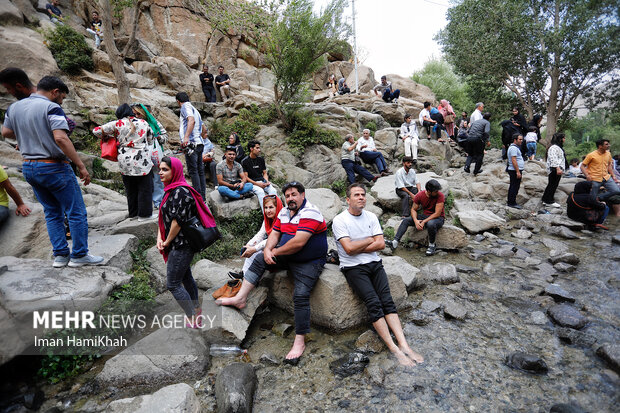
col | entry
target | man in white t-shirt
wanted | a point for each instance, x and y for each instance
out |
(425, 119)
(407, 185)
(476, 114)
(359, 236)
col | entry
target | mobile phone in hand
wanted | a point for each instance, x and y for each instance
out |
(243, 250)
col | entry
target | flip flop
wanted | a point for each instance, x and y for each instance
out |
(292, 362)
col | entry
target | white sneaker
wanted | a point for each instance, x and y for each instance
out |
(395, 101)
(60, 261)
(85, 260)
(394, 244)
(554, 205)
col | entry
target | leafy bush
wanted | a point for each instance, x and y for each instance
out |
(340, 187)
(449, 202)
(305, 131)
(69, 49)
(85, 142)
(371, 126)
(247, 125)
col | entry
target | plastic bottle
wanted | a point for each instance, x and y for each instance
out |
(226, 351)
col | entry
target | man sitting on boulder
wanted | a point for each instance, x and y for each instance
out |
(54, 13)
(298, 242)
(407, 185)
(231, 180)
(385, 88)
(343, 88)
(256, 172)
(222, 83)
(425, 119)
(350, 165)
(369, 153)
(359, 236)
(409, 135)
(432, 217)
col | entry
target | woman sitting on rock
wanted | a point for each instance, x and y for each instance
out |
(181, 203)
(271, 208)
(332, 86)
(583, 207)
(135, 138)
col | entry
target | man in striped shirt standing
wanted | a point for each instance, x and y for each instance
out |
(298, 242)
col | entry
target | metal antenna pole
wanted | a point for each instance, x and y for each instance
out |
(355, 48)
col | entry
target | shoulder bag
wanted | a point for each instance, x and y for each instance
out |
(109, 149)
(197, 236)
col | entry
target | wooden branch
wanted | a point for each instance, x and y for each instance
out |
(134, 29)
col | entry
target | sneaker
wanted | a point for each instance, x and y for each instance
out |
(395, 101)
(431, 249)
(85, 260)
(467, 170)
(394, 244)
(479, 172)
(553, 205)
(60, 261)
(142, 219)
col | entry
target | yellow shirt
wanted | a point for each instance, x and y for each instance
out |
(4, 198)
(598, 165)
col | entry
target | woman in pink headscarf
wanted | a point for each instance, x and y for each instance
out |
(181, 202)
(448, 117)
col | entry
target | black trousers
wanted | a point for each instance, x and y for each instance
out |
(431, 226)
(369, 282)
(552, 186)
(139, 192)
(405, 200)
(209, 93)
(513, 189)
(475, 154)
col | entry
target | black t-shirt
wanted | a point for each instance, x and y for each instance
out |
(209, 82)
(96, 24)
(254, 167)
(181, 206)
(221, 78)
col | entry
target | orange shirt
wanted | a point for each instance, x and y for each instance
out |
(598, 165)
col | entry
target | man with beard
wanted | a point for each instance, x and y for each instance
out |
(432, 217)
(298, 243)
(40, 127)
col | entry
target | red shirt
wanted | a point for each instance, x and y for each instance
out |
(428, 204)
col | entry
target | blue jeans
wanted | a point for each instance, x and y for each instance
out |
(58, 191)
(236, 194)
(196, 170)
(351, 168)
(376, 157)
(609, 185)
(4, 214)
(260, 192)
(531, 149)
(158, 187)
(305, 275)
(389, 96)
(178, 272)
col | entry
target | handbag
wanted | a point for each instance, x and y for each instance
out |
(230, 289)
(449, 118)
(157, 152)
(198, 237)
(109, 149)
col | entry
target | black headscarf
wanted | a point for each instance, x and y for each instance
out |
(124, 111)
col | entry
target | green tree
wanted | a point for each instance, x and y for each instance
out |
(439, 76)
(69, 49)
(546, 52)
(295, 45)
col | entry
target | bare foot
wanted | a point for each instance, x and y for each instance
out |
(412, 354)
(403, 359)
(235, 301)
(299, 345)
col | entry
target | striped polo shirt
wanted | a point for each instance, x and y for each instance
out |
(308, 218)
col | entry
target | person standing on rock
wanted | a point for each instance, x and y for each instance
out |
(190, 128)
(350, 165)
(598, 168)
(432, 217)
(409, 135)
(556, 166)
(359, 236)
(206, 81)
(477, 140)
(514, 169)
(298, 243)
(425, 119)
(222, 83)
(407, 185)
(477, 113)
(231, 180)
(40, 127)
(181, 203)
(384, 89)
(369, 153)
(256, 172)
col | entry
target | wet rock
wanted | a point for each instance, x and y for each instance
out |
(430, 306)
(334, 305)
(399, 266)
(575, 337)
(566, 408)
(521, 254)
(163, 357)
(531, 261)
(567, 316)
(369, 342)
(564, 267)
(349, 365)
(500, 241)
(615, 239)
(283, 329)
(503, 252)
(466, 269)
(419, 318)
(455, 311)
(227, 210)
(539, 318)
(522, 234)
(479, 238)
(567, 257)
(234, 388)
(375, 372)
(560, 220)
(489, 235)
(178, 398)
(488, 269)
(527, 362)
(555, 245)
(559, 293)
(440, 273)
(563, 232)
(611, 354)
(449, 237)
(545, 271)
(269, 359)
(344, 404)
(479, 221)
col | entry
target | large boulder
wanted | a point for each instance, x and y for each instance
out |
(449, 237)
(366, 79)
(384, 190)
(177, 398)
(166, 356)
(479, 221)
(399, 266)
(227, 210)
(209, 274)
(323, 164)
(411, 89)
(326, 201)
(116, 250)
(9, 14)
(333, 304)
(234, 388)
(141, 229)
